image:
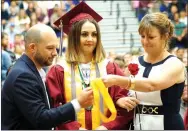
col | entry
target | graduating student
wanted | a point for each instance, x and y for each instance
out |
(84, 61)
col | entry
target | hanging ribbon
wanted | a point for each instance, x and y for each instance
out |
(97, 85)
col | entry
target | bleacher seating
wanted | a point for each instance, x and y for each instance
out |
(113, 38)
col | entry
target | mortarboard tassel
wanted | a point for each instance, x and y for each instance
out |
(61, 40)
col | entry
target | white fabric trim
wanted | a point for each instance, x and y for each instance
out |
(76, 105)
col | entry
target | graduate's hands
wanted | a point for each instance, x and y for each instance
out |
(85, 98)
(128, 103)
(101, 128)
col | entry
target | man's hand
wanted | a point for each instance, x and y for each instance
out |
(101, 128)
(86, 97)
(128, 103)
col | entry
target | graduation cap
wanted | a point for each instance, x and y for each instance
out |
(80, 12)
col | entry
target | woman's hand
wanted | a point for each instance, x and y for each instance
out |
(128, 103)
(109, 80)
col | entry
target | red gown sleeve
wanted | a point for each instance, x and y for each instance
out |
(123, 117)
(55, 85)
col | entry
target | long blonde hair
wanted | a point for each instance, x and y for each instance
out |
(73, 48)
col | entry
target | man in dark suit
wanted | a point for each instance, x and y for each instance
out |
(25, 103)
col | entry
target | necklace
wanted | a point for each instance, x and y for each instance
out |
(84, 74)
(85, 77)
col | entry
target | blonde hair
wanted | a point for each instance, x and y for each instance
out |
(158, 20)
(73, 48)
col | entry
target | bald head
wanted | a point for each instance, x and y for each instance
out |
(38, 33)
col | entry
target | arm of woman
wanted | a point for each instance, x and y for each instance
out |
(172, 73)
(123, 117)
(55, 84)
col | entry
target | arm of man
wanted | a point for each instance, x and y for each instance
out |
(55, 84)
(29, 100)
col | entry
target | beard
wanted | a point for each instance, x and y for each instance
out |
(42, 60)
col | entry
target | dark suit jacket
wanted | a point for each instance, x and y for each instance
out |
(23, 100)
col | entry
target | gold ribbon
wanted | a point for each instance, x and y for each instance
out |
(97, 85)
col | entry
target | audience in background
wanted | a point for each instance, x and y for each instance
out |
(179, 32)
(4, 46)
(17, 17)
(19, 47)
(119, 60)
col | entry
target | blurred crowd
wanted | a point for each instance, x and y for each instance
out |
(18, 16)
(176, 11)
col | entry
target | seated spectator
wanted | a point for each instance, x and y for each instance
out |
(172, 12)
(178, 3)
(183, 17)
(163, 7)
(19, 46)
(41, 17)
(13, 9)
(119, 60)
(30, 8)
(180, 53)
(179, 28)
(127, 58)
(5, 64)
(4, 46)
(57, 12)
(47, 6)
(22, 19)
(5, 4)
(33, 19)
(11, 31)
(26, 28)
(69, 5)
(111, 55)
(75, 2)
(4, 16)
(135, 6)
(20, 4)
(143, 8)
(185, 38)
